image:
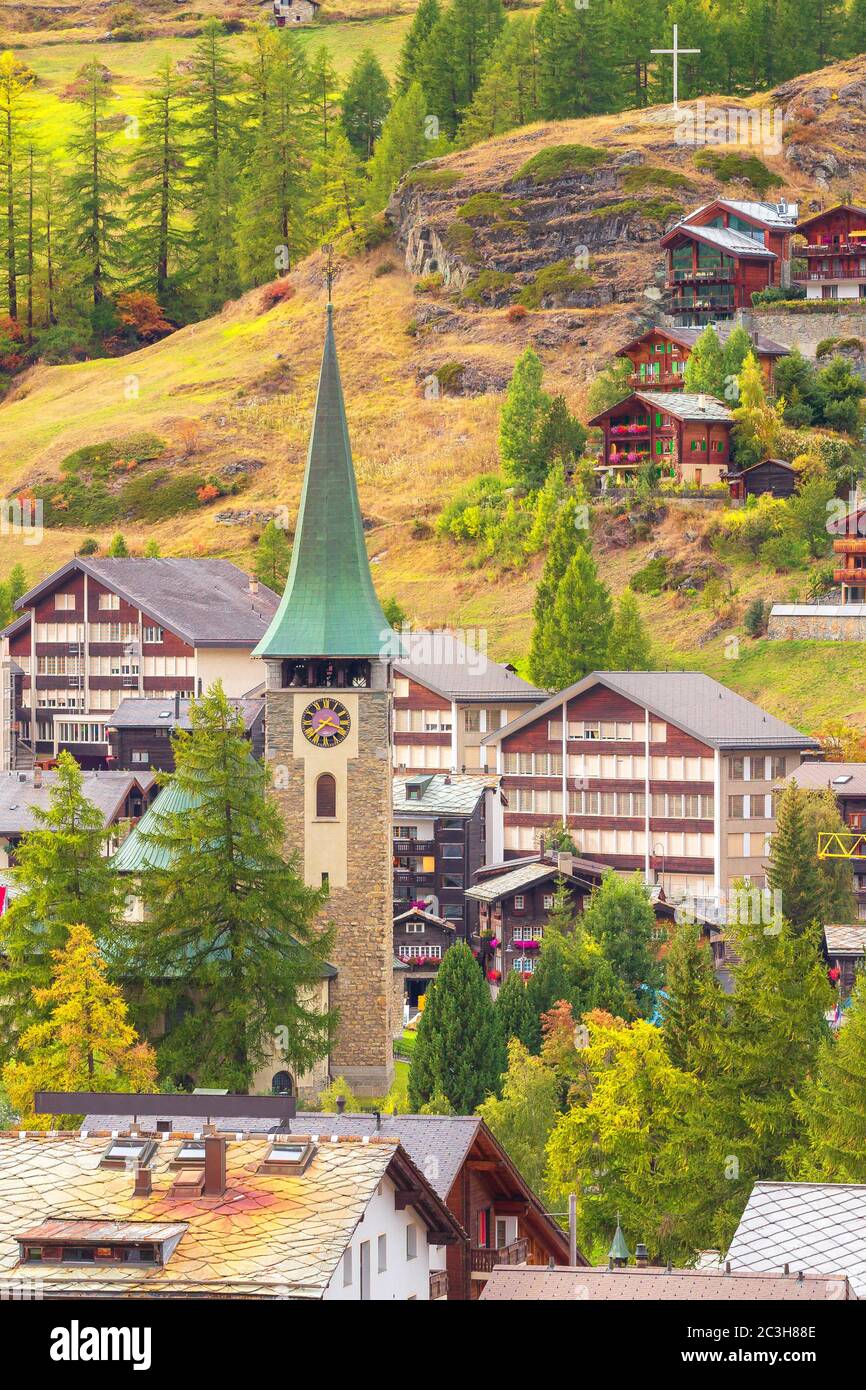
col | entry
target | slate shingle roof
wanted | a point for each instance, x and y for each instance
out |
(269, 1235)
(692, 701)
(159, 714)
(847, 779)
(819, 1228)
(444, 794)
(443, 662)
(107, 790)
(513, 1283)
(208, 603)
(845, 940)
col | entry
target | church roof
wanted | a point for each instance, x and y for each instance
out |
(329, 607)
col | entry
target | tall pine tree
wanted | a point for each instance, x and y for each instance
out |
(92, 189)
(459, 1052)
(157, 196)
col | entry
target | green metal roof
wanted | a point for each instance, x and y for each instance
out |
(329, 607)
(137, 852)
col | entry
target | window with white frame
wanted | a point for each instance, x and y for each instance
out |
(108, 601)
(139, 755)
(382, 1249)
(547, 902)
(519, 902)
(525, 965)
(347, 1267)
(411, 950)
(152, 634)
(113, 632)
(64, 601)
(411, 1241)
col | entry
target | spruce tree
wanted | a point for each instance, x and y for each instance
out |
(575, 637)
(508, 94)
(451, 60)
(229, 948)
(705, 369)
(567, 535)
(17, 583)
(366, 100)
(273, 230)
(693, 1007)
(92, 189)
(324, 85)
(773, 1022)
(821, 815)
(574, 76)
(66, 879)
(214, 149)
(793, 869)
(629, 648)
(157, 194)
(459, 1050)
(520, 422)
(118, 549)
(16, 79)
(547, 505)
(84, 1041)
(513, 1011)
(423, 20)
(401, 144)
(338, 178)
(831, 1105)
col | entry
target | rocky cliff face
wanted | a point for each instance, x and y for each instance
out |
(825, 124)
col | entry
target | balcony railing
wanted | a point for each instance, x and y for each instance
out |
(666, 380)
(842, 248)
(841, 272)
(438, 1283)
(701, 276)
(483, 1259)
(850, 577)
(850, 545)
(414, 846)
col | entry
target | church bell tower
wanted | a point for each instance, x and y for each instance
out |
(328, 656)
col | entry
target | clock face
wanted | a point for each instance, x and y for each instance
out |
(325, 722)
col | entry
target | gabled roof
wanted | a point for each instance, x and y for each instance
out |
(828, 212)
(106, 790)
(430, 917)
(846, 940)
(329, 607)
(138, 852)
(159, 714)
(207, 603)
(817, 1227)
(772, 215)
(514, 1283)
(682, 405)
(445, 664)
(687, 337)
(445, 794)
(696, 703)
(762, 463)
(734, 243)
(846, 779)
(271, 1235)
(437, 1144)
(524, 876)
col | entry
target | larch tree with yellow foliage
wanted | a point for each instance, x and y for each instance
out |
(85, 1043)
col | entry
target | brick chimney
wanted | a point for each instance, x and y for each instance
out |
(214, 1165)
(564, 862)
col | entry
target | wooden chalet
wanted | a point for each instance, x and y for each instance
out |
(773, 476)
(687, 435)
(834, 250)
(659, 356)
(721, 253)
(420, 942)
(845, 949)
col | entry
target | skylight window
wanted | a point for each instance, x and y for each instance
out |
(190, 1153)
(120, 1152)
(840, 781)
(289, 1155)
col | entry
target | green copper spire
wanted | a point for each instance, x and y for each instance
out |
(618, 1251)
(329, 607)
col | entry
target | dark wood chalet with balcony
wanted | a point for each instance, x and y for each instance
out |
(659, 356)
(833, 247)
(687, 436)
(849, 548)
(720, 254)
(845, 950)
(420, 942)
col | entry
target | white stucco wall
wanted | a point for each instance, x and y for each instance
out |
(234, 666)
(403, 1278)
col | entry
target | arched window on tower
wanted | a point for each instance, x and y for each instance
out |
(326, 797)
(281, 1084)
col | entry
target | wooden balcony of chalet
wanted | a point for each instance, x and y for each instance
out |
(483, 1259)
(850, 545)
(666, 381)
(410, 847)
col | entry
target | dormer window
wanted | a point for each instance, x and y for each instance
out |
(72, 1240)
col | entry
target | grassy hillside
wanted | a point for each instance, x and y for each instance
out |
(240, 387)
